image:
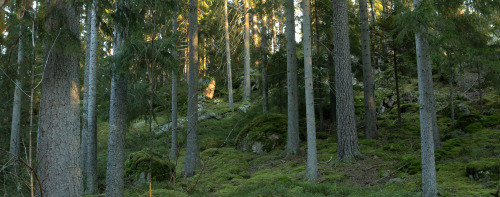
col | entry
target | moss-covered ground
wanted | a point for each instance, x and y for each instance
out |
(467, 165)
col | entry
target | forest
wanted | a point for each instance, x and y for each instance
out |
(249, 98)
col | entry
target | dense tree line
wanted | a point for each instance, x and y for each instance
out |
(136, 58)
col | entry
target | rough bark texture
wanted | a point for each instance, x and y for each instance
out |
(347, 146)
(192, 148)
(117, 111)
(58, 150)
(173, 147)
(371, 131)
(427, 111)
(16, 109)
(312, 158)
(228, 58)
(91, 163)
(292, 143)
(246, 83)
(85, 105)
(264, 51)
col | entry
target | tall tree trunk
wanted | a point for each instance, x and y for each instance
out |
(333, 94)
(452, 106)
(15, 130)
(273, 29)
(58, 150)
(427, 111)
(118, 109)
(320, 86)
(173, 148)
(228, 57)
(371, 131)
(347, 146)
(312, 157)
(264, 51)
(84, 136)
(398, 101)
(192, 147)
(247, 86)
(292, 143)
(91, 165)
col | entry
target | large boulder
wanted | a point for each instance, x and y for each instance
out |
(263, 133)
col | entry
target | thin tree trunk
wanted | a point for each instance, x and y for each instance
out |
(192, 147)
(292, 143)
(331, 87)
(32, 90)
(173, 148)
(312, 158)
(15, 130)
(274, 30)
(264, 61)
(228, 57)
(371, 131)
(91, 163)
(118, 110)
(347, 146)
(320, 87)
(427, 111)
(58, 150)
(452, 106)
(479, 88)
(84, 135)
(398, 101)
(247, 86)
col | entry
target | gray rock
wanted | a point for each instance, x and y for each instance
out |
(462, 107)
(244, 108)
(209, 115)
(397, 181)
(257, 148)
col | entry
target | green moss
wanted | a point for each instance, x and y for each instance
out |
(489, 168)
(332, 176)
(207, 143)
(467, 119)
(473, 127)
(410, 108)
(269, 129)
(165, 192)
(490, 121)
(138, 162)
(411, 164)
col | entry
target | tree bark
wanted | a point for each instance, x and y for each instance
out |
(58, 150)
(228, 57)
(264, 51)
(85, 121)
(192, 148)
(91, 163)
(371, 131)
(292, 143)
(173, 148)
(312, 158)
(118, 109)
(347, 146)
(427, 111)
(247, 85)
(15, 130)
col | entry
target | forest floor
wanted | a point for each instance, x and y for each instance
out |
(467, 165)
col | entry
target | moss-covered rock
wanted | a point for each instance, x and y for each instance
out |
(486, 168)
(138, 162)
(490, 121)
(265, 131)
(466, 119)
(473, 127)
(210, 143)
(410, 108)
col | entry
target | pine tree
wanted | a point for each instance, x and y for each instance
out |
(246, 85)
(58, 150)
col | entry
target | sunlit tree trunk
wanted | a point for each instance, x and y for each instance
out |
(173, 148)
(371, 131)
(246, 86)
(228, 57)
(347, 146)
(192, 148)
(85, 121)
(264, 51)
(292, 143)
(118, 108)
(312, 158)
(427, 110)
(58, 149)
(91, 163)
